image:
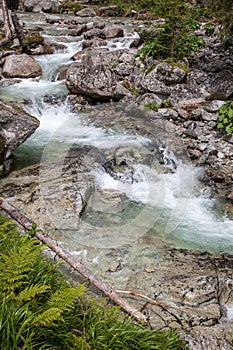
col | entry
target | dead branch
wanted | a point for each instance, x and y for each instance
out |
(75, 264)
(7, 24)
(151, 301)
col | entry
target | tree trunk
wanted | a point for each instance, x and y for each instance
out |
(75, 264)
(19, 31)
(7, 24)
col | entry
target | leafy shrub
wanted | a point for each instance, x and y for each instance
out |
(226, 117)
(173, 39)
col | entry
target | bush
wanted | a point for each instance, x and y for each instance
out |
(175, 37)
(226, 117)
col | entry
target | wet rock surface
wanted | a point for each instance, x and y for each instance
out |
(15, 127)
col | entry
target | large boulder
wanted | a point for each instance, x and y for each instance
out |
(98, 73)
(113, 32)
(15, 127)
(220, 86)
(21, 66)
(49, 6)
(169, 73)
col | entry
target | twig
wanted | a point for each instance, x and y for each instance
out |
(77, 265)
(151, 301)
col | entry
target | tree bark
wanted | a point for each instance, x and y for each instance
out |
(7, 24)
(19, 31)
(75, 264)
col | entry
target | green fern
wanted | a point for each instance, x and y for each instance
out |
(66, 298)
(48, 317)
(60, 301)
(16, 264)
(31, 291)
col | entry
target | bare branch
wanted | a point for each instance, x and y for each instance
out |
(151, 301)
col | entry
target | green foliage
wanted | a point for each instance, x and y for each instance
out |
(133, 89)
(33, 38)
(155, 107)
(125, 6)
(175, 37)
(226, 117)
(223, 11)
(39, 310)
(71, 6)
(209, 28)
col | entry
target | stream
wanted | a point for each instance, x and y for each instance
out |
(140, 205)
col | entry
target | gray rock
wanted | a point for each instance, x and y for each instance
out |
(152, 84)
(168, 113)
(148, 98)
(15, 127)
(52, 19)
(96, 32)
(21, 66)
(113, 32)
(213, 106)
(42, 5)
(94, 43)
(86, 12)
(98, 73)
(169, 74)
(95, 81)
(220, 86)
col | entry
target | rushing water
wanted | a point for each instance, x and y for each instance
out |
(170, 205)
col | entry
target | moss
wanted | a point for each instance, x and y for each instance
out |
(155, 107)
(33, 38)
(180, 64)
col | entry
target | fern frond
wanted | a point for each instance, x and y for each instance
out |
(66, 298)
(48, 317)
(31, 291)
(16, 264)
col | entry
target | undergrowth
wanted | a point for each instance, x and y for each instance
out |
(225, 113)
(40, 310)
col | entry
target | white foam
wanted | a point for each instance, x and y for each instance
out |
(184, 213)
(229, 313)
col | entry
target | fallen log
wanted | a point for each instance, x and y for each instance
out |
(75, 264)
